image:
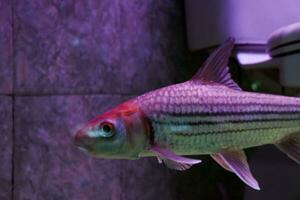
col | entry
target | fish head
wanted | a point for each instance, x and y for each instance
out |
(120, 133)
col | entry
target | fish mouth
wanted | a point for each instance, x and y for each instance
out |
(83, 141)
(79, 138)
(82, 149)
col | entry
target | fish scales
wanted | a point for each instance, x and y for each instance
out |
(192, 119)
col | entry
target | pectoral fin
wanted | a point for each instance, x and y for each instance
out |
(172, 160)
(291, 146)
(236, 162)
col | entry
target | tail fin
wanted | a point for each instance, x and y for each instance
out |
(290, 145)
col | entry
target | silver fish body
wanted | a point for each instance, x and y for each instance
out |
(191, 118)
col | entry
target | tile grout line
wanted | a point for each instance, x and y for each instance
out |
(13, 149)
(71, 94)
(13, 101)
(75, 94)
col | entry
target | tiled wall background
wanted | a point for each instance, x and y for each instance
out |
(62, 63)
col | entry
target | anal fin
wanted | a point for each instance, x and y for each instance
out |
(290, 145)
(172, 160)
(236, 161)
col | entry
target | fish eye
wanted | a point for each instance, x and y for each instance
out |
(107, 129)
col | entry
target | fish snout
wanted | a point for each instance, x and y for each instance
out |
(81, 139)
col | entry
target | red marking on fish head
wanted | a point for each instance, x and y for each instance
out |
(121, 132)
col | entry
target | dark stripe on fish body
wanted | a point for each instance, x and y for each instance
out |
(206, 127)
(232, 131)
(223, 117)
(226, 113)
(222, 122)
(196, 109)
(225, 103)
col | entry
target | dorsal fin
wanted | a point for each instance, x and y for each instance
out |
(215, 69)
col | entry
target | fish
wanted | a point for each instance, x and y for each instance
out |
(208, 114)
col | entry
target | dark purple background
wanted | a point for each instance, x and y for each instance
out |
(62, 63)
